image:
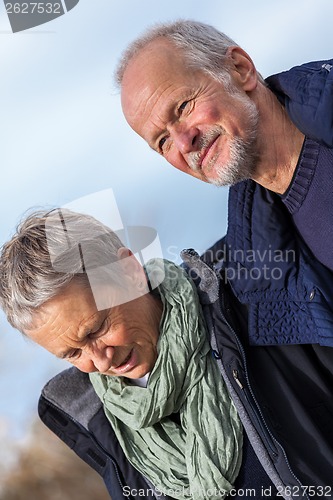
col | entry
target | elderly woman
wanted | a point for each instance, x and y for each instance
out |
(69, 284)
(146, 349)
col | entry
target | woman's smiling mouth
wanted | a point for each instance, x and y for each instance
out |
(128, 364)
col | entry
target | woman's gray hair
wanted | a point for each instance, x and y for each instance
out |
(203, 46)
(49, 250)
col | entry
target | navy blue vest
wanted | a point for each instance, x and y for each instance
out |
(271, 270)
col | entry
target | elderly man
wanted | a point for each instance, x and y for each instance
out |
(196, 98)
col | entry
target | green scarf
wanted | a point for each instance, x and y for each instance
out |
(202, 456)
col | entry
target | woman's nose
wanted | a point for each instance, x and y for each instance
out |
(102, 356)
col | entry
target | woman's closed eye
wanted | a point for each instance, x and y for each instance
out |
(73, 355)
(100, 330)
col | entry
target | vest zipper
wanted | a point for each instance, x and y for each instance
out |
(248, 392)
(236, 378)
(256, 411)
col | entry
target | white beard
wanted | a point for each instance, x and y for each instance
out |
(243, 152)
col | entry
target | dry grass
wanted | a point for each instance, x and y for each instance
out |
(48, 470)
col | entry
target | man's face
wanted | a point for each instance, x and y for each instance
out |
(118, 341)
(189, 117)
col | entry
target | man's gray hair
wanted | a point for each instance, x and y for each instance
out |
(203, 46)
(49, 250)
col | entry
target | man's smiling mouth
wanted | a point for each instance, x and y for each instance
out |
(206, 151)
(197, 160)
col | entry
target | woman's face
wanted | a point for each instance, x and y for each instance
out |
(121, 340)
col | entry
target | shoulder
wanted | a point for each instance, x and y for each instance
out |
(307, 93)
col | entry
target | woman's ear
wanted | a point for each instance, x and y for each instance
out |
(131, 266)
(242, 68)
(123, 253)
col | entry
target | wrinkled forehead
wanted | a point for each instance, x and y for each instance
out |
(160, 55)
(152, 73)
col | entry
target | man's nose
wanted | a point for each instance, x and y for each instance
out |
(185, 138)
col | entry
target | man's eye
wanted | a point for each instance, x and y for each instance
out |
(182, 107)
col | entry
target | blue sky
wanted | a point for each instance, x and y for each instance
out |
(63, 136)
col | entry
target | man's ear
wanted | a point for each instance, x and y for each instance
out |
(242, 68)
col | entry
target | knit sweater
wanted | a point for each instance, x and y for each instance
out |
(306, 91)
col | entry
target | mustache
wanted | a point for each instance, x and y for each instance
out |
(194, 159)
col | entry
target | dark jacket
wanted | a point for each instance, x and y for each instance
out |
(284, 396)
(306, 91)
